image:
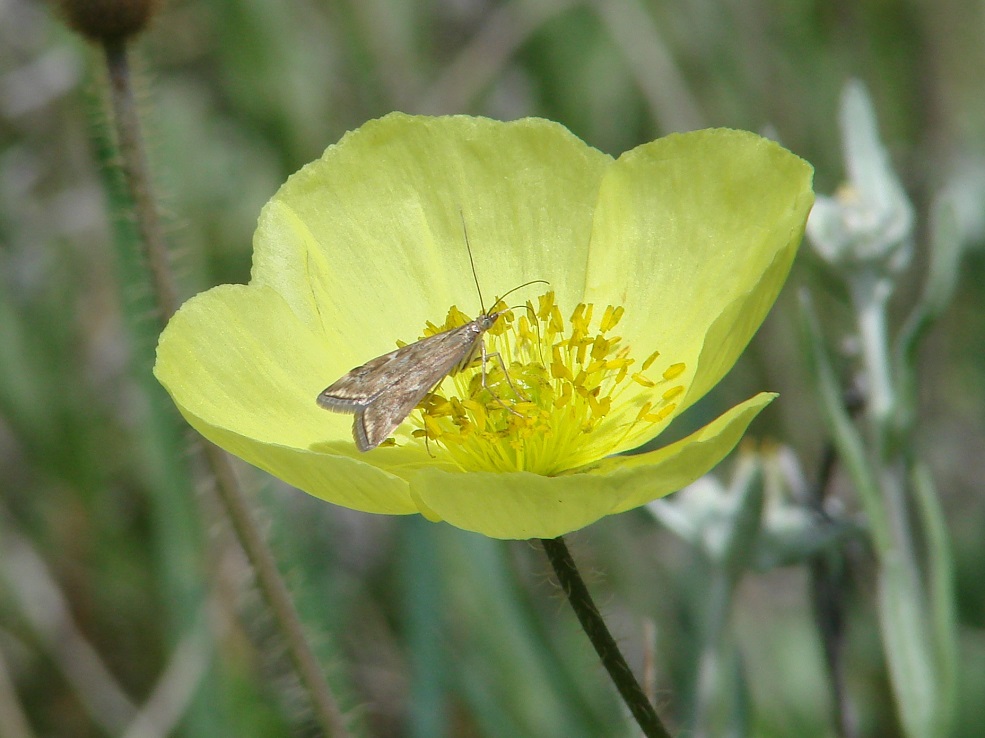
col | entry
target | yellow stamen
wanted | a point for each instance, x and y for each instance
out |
(612, 316)
(570, 397)
(673, 371)
(672, 393)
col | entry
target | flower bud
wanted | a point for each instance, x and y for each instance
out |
(108, 20)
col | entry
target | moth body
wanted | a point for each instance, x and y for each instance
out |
(382, 392)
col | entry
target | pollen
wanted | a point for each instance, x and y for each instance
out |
(551, 395)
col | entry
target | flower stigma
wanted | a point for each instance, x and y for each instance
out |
(573, 396)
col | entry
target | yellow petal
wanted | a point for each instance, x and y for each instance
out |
(695, 234)
(522, 505)
(245, 372)
(367, 244)
(643, 478)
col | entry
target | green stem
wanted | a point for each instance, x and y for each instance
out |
(869, 295)
(717, 608)
(133, 160)
(605, 645)
(906, 621)
(271, 584)
(718, 706)
(852, 449)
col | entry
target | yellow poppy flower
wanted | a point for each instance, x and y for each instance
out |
(661, 263)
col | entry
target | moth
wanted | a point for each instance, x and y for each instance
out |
(382, 392)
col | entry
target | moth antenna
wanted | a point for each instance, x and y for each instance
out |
(520, 287)
(475, 276)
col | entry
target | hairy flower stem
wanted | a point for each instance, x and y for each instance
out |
(133, 161)
(271, 584)
(605, 645)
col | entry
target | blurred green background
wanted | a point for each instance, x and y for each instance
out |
(116, 568)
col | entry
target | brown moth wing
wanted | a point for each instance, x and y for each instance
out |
(435, 355)
(375, 422)
(360, 386)
(383, 391)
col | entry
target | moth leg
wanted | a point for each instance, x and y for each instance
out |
(506, 374)
(502, 365)
(424, 425)
(424, 418)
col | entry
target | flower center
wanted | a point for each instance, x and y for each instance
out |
(569, 395)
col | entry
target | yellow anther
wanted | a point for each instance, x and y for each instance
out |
(650, 359)
(600, 347)
(431, 426)
(478, 412)
(665, 411)
(611, 317)
(438, 406)
(596, 366)
(583, 345)
(599, 407)
(560, 371)
(619, 363)
(557, 322)
(456, 318)
(526, 332)
(581, 316)
(673, 371)
(672, 393)
(565, 397)
(565, 391)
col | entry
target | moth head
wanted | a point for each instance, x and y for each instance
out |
(485, 321)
